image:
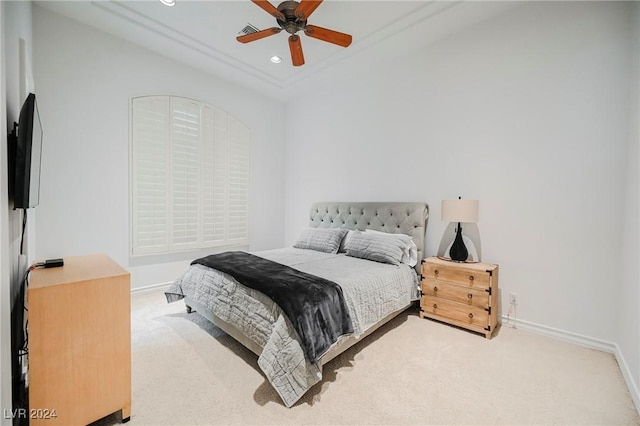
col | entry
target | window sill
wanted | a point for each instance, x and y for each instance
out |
(150, 259)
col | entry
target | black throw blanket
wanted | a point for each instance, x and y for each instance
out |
(314, 306)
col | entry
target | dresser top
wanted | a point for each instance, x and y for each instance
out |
(478, 266)
(76, 269)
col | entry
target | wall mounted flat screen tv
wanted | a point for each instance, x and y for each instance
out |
(26, 155)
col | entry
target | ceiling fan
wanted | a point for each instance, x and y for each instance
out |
(292, 17)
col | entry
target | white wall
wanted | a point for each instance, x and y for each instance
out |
(527, 112)
(18, 29)
(85, 80)
(15, 25)
(629, 296)
(5, 271)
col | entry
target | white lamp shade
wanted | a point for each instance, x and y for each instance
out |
(460, 210)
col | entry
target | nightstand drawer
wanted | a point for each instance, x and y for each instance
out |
(469, 296)
(456, 274)
(471, 315)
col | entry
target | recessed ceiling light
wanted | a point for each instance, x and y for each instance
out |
(168, 2)
(276, 59)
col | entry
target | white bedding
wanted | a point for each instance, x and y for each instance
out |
(372, 290)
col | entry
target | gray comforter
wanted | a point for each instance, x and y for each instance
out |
(371, 290)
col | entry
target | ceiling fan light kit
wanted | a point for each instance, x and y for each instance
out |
(292, 16)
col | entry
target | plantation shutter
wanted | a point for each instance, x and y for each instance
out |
(185, 176)
(215, 225)
(150, 180)
(238, 176)
(190, 176)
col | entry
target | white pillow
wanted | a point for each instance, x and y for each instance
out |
(409, 250)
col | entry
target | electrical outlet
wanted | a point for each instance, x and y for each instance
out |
(513, 298)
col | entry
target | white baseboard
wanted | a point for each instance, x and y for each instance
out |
(579, 339)
(588, 342)
(626, 373)
(149, 288)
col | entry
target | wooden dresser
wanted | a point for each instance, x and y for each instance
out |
(79, 342)
(461, 294)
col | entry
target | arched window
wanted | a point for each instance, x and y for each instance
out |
(190, 166)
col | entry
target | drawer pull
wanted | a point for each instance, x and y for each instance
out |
(435, 289)
(436, 272)
(435, 306)
(470, 316)
(469, 296)
(471, 278)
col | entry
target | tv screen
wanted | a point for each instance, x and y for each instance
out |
(28, 149)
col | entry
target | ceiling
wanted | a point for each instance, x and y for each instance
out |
(202, 34)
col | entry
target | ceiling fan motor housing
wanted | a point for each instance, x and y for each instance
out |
(290, 24)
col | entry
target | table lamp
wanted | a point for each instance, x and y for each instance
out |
(459, 211)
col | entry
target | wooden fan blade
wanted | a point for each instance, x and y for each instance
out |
(269, 8)
(297, 57)
(335, 37)
(257, 36)
(305, 9)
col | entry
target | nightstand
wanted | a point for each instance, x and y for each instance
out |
(461, 294)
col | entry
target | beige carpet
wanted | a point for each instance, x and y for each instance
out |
(411, 371)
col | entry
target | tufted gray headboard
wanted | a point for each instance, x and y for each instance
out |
(393, 217)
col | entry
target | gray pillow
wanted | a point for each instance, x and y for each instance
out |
(409, 249)
(375, 247)
(346, 238)
(326, 240)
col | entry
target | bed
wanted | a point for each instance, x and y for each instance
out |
(374, 291)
